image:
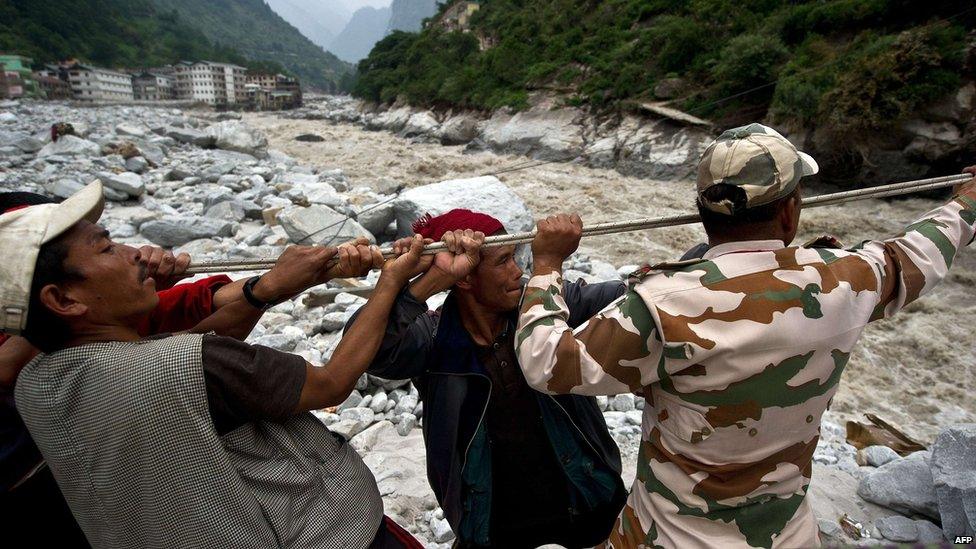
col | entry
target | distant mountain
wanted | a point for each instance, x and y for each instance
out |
(310, 25)
(109, 33)
(367, 27)
(255, 30)
(408, 15)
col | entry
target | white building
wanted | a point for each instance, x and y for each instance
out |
(90, 83)
(153, 86)
(210, 82)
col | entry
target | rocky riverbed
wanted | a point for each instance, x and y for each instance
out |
(219, 185)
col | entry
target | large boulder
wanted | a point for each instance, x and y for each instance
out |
(64, 187)
(190, 136)
(459, 129)
(319, 224)
(70, 144)
(125, 182)
(233, 135)
(176, 231)
(540, 132)
(422, 123)
(954, 473)
(904, 485)
(482, 194)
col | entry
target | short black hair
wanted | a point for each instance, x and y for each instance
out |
(19, 199)
(46, 330)
(716, 221)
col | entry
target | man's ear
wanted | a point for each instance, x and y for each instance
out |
(789, 217)
(465, 283)
(60, 302)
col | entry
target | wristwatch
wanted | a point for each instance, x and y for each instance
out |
(248, 291)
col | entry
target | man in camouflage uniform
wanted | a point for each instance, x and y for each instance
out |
(737, 353)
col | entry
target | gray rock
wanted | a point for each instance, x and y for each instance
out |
(878, 455)
(441, 530)
(386, 384)
(320, 224)
(898, 528)
(830, 528)
(459, 130)
(176, 231)
(406, 404)
(616, 420)
(137, 164)
(406, 424)
(904, 485)
(353, 421)
(954, 473)
(63, 188)
(115, 196)
(422, 123)
(236, 136)
(191, 136)
(378, 405)
(126, 182)
(351, 401)
(334, 321)
(542, 132)
(362, 383)
(375, 218)
(483, 194)
(130, 130)
(928, 532)
(69, 145)
(622, 403)
(231, 210)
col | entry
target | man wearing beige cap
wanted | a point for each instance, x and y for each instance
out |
(190, 440)
(738, 353)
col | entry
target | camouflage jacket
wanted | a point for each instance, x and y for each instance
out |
(738, 355)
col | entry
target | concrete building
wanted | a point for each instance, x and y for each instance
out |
(91, 83)
(210, 82)
(153, 86)
(53, 87)
(272, 92)
(16, 78)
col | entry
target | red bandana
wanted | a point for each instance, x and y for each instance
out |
(435, 227)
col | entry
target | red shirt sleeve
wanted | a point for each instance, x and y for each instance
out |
(183, 306)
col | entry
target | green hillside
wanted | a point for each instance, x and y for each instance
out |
(257, 32)
(112, 33)
(852, 65)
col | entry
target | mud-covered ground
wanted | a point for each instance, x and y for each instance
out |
(915, 370)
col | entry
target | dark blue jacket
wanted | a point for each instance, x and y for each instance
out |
(434, 349)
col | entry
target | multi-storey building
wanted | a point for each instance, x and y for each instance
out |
(272, 92)
(16, 79)
(91, 83)
(210, 82)
(53, 87)
(153, 86)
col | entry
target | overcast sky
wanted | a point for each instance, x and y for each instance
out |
(354, 5)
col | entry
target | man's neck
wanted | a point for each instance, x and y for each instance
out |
(483, 325)
(96, 333)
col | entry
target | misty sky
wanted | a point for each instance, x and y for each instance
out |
(353, 5)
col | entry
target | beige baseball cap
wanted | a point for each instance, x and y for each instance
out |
(756, 158)
(22, 233)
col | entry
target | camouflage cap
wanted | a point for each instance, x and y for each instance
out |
(756, 158)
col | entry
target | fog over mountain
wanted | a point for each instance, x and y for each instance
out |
(367, 26)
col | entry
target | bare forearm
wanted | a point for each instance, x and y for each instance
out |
(228, 293)
(235, 320)
(429, 284)
(14, 355)
(330, 384)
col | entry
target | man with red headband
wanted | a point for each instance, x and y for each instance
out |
(511, 467)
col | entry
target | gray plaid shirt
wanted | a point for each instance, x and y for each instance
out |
(126, 430)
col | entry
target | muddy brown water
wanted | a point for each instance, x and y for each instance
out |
(915, 370)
